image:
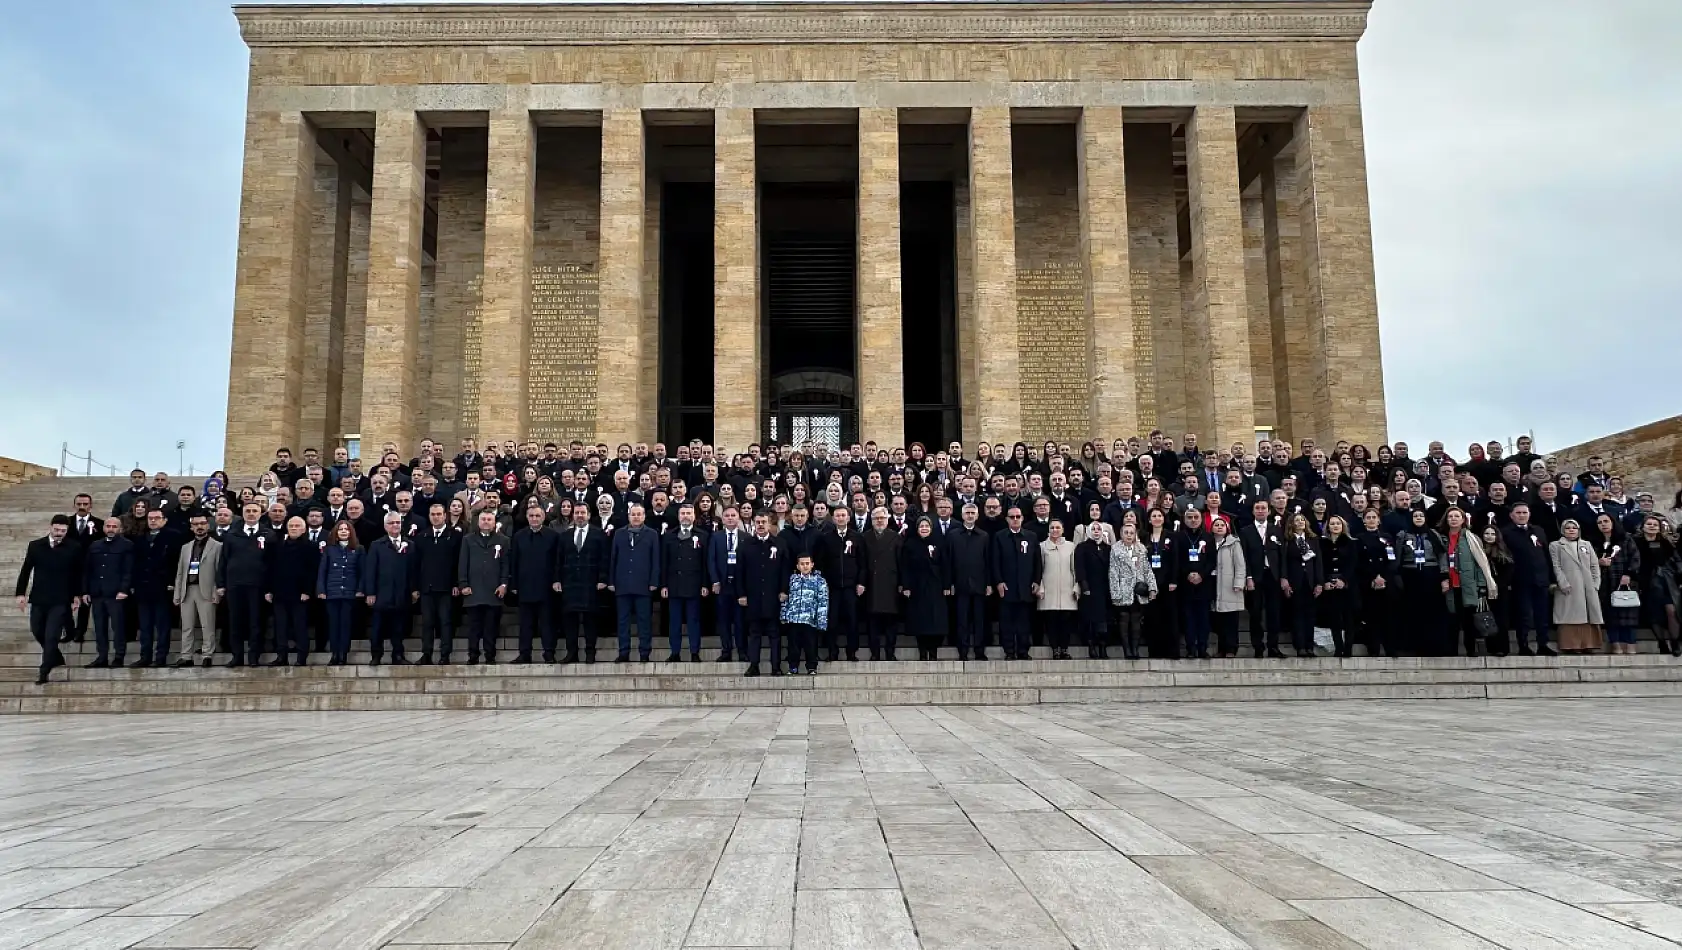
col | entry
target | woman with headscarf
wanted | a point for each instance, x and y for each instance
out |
(1057, 590)
(925, 581)
(1576, 608)
(1092, 573)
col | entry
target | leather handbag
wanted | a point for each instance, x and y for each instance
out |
(1625, 598)
(1141, 592)
(1483, 620)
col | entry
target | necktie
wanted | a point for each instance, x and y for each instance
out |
(578, 537)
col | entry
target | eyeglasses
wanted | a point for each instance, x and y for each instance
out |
(1014, 517)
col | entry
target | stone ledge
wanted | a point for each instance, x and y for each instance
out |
(690, 24)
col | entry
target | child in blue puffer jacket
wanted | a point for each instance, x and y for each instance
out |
(805, 613)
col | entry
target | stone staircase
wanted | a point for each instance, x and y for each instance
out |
(25, 510)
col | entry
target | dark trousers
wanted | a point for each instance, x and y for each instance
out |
(843, 627)
(46, 622)
(339, 614)
(1378, 620)
(1059, 627)
(1534, 614)
(110, 622)
(291, 628)
(1195, 623)
(76, 622)
(318, 623)
(638, 609)
(245, 623)
(576, 624)
(882, 634)
(391, 622)
(802, 643)
(759, 630)
(1129, 621)
(153, 616)
(1336, 606)
(1014, 623)
(1466, 618)
(681, 611)
(482, 627)
(535, 622)
(1226, 633)
(437, 625)
(1300, 608)
(729, 622)
(971, 625)
(1263, 605)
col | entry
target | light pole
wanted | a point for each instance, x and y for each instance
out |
(180, 457)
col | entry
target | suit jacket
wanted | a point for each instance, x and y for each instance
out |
(56, 570)
(293, 569)
(483, 566)
(108, 566)
(93, 530)
(205, 590)
(728, 577)
(154, 565)
(1261, 553)
(633, 567)
(536, 564)
(1016, 564)
(839, 560)
(764, 576)
(582, 568)
(683, 564)
(388, 569)
(244, 561)
(437, 560)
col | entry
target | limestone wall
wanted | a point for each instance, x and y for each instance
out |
(14, 472)
(1647, 458)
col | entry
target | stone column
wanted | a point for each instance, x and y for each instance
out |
(1256, 294)
(505, 290)
(1153, 219)
(881, 348)
(456, 366)
(356, 315)
(324, 322)
(270, 291)
(389, 390)
(1217, 249)
(1337, 261)
(1297, 356)
(993, 234)
(1109, 280)
(736, 336)
(620, 389)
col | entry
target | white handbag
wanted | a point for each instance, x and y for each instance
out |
(1625, 598)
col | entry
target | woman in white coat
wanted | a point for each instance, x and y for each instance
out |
(1058, 589)
(1576, 592)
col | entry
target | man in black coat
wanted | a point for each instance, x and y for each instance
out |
(1259, 537)
(1532, 609)
(839, 555)
(535, 573)
(154, 588)
(107, 579)
(764, 586)
(583, 559)
(437, 555)
(55, 564)
(85, 529)
(240, 577)
(683, 570)
(1015, 569)
(388, 575)
(967, 547)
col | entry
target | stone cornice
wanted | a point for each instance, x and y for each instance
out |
(668, 23)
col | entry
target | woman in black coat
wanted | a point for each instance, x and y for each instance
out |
(1092, 573)
(1162, 543)
(1304, 572)
(1340, 601)
(1194, 571)
(1380, 582)
(925, 580)
(292, 576)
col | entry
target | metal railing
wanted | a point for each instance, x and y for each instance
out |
(69, 462)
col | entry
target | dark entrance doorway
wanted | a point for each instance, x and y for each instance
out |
(809, 255)
(686, 311)
(929, 300)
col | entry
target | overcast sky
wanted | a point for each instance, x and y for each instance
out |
(1525, 162)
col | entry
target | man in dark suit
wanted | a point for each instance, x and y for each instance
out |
(437, 555)
(534, 574)
(55, 564)
(108, 577)
(724, 569)
(85, 529)
(1015, 569)
(684, 552)
(154, 588)
(839, 554)
(1259, 537)
(583, 560)
(240, 576)
(388, 573)
(765, 570)
(967, 552)
(1532, 609)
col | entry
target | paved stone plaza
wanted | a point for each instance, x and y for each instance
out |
(1391, 826)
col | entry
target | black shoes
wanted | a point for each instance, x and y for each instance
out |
(622, 658)
(424, 660)
(570, 658)
(183, 663)
(694, 657)
(522, 661)
(646, 656)
(277, 661)
(752, 670)
(676, 657)
(235, 664)
(99, 664)
(1546, 651)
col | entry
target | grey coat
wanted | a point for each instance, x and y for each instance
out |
(483, 566)
(1129, 566)
(1057, 576)
(1577, 574)
(1230, 572)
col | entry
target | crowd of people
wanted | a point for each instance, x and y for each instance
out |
(1146, 546)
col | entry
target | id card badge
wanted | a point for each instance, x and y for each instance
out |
(730, 558)
(1156, 560)
(1418, 557)
(193, 568)
(1390, 552)
(1192, 557)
